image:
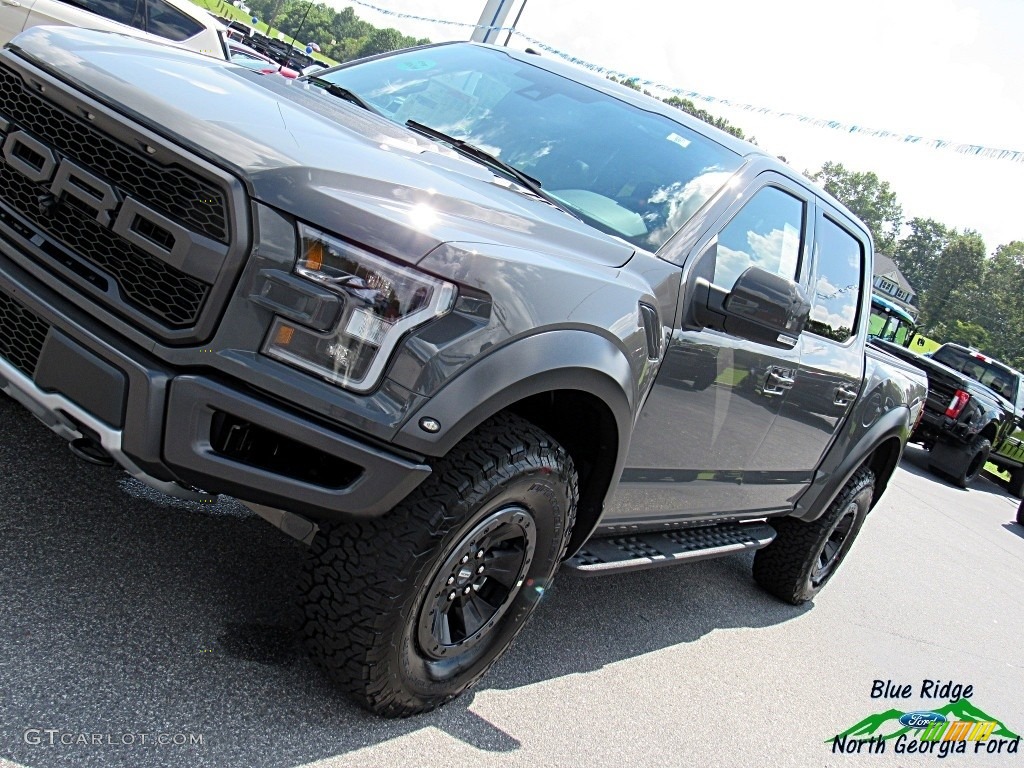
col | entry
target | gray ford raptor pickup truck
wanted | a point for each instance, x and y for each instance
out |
(455, 316)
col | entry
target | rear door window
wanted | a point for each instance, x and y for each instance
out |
(839, 275)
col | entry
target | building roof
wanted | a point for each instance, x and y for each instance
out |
(886, 267)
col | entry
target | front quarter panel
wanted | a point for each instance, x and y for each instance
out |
(544, 362)
(509, 294)
(541, 324)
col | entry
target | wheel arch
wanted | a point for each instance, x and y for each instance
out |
(576, 385)
(990, 432)
(882, 462)
(882, 448)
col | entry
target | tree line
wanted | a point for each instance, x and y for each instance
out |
(341, 35)
(964, 293)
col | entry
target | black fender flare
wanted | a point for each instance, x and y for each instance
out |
(894, 424)
(981, 415)
(544, 362)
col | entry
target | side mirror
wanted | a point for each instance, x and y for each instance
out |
(761, 307)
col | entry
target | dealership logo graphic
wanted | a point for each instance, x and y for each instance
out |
(922, 719)
(958, 727)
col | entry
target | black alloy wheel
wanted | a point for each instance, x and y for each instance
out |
(476, 584)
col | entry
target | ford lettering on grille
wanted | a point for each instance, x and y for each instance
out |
(142, 229)
(135, 222)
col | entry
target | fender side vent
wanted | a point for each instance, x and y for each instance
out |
(652, 329)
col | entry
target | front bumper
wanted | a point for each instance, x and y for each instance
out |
(180, 431)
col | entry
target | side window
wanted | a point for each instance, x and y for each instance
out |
(765, 233)
(167, 21)
(837, 290)
(122, 11)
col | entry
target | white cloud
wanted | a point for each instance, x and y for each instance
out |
(764, 251)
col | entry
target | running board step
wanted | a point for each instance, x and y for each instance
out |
(649, 550)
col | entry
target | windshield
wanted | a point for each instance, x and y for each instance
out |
(996, 377)
(627, 171)
(889, 324)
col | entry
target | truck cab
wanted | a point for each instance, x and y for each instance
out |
(890, 322)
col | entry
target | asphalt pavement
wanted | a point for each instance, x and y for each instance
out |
(136, 631)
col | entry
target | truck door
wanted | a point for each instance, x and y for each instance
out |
(831, 358)
(716, 396)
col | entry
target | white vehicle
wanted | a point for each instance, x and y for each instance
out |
(179, 21)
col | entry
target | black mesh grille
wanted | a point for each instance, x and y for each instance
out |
(21, 335)
(148, 283)
(173, 190)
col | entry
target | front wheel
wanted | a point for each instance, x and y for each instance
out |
(805, 555)
(409, 610)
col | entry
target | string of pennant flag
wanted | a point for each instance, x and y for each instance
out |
(978, 150)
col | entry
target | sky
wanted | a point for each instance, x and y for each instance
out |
(944, 69)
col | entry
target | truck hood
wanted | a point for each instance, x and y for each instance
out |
(326, 161)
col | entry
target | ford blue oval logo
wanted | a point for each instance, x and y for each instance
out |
(921, 718)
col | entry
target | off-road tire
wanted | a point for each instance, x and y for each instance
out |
(805, 555)
(959, 463)
(975, 454)
(376, 593)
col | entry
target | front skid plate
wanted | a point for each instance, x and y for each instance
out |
(649, 550)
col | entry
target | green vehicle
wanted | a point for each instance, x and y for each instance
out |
(1009, 455)
(890, 322)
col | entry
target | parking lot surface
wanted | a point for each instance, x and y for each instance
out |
(137, 630)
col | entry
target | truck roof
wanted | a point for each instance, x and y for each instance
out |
(892, 308)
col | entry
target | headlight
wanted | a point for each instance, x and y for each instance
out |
(380, 302)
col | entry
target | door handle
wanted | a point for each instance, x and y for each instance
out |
(845, 395)
(778, 381)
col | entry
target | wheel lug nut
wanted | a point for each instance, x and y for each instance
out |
(467, 590)
(451, 596)
(480, 569)
(465, 559)
(451, 580)
(479, 554)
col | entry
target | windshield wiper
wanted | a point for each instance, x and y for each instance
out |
(342, 93)
(483, 156)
